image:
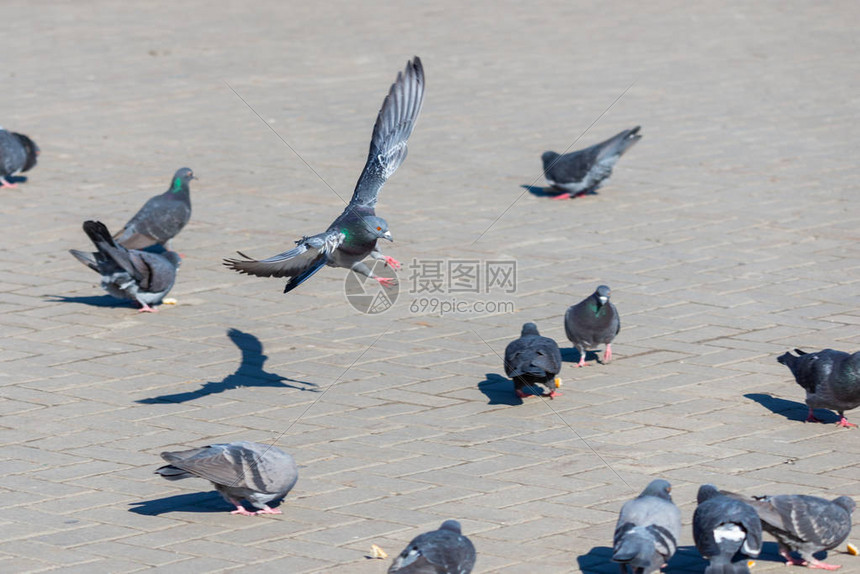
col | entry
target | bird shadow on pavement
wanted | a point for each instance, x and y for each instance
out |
(92, 300)
(551, 192)
(192, 502)
(16, 179)
(598, 560)
(792, 410)
(499, 390)
(571, 355)
(249, 374)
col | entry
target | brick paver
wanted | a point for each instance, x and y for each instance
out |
(728, 235)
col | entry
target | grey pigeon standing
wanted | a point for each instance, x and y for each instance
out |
(354, 234)
(443, 551)
(140, 276)
(805, 524)
(591, 322)
(722, 526)
(647, 531)
(18, 154)
(162, 217)
(580, 172)
(533, 360)
(258, 473)
(831, 379)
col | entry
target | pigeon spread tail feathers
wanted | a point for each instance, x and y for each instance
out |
(584, 171)
(353, 236)
(139, 276)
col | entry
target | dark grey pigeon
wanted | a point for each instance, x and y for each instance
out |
(647, 531)
(258, 473)
(141, 276)
(804, 524)
(354, 234)
(831, 379)
(580, 172)
(533, 360)
(18, 154)
(722, 527)
(591, 322)
(162, 217)
(443, 551)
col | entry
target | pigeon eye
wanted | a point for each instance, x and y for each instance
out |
(379, 229)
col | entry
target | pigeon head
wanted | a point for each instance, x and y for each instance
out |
(548, 157)
(181, 179)
(602, 295)
(377, 227)
(706, 492)
(846, 502)
(659, 488)
(529, 329)
(453, 526)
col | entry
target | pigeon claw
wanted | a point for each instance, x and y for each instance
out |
(386, 281)
(565, 195)
(607, 354)
(147, 309)
(243, 511)
(823, 565)
(392, 262)
(554, 394)
(267, 510)
(4, 183)
(843, 422)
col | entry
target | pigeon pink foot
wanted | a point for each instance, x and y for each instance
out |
(392, 262)
(385, 281)
(554, 394)
(147, 309)
(564, 195)
(791, 560)
(243, 511)
(6, 183)
(607, 354)
(843, 422)
(823, 565)
(267, 510)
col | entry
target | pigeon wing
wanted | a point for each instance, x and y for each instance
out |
(392, 129)
(232, 465)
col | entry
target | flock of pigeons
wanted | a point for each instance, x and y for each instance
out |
(137, 264)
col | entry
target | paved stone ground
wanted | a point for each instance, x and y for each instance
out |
(728, 235)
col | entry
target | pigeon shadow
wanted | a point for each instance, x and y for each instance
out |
(499, 390)
(14, 179)
(92, 300)
(598, 560)
(571, 355)
(193, 502)
(249, 374)
(552, 192)
(792, 410)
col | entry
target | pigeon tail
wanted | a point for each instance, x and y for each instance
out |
(637, 549)
(85, 258)
(171, 472)
(619, 144)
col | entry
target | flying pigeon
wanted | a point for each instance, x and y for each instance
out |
(831, 379)
(532, 360)
(647, 532)
(591, 322)
(141, 276)
(354, 234)
(443, 551)
(722, 526)
(162, 217)
(580, 172)
(258, 473)
(18, 153)
(805, 524)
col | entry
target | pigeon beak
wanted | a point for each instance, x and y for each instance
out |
(387, 235)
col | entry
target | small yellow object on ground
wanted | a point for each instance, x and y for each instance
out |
(558, 382)
(852, 550)
(377, 552)
(169, 301)
(750, 563)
